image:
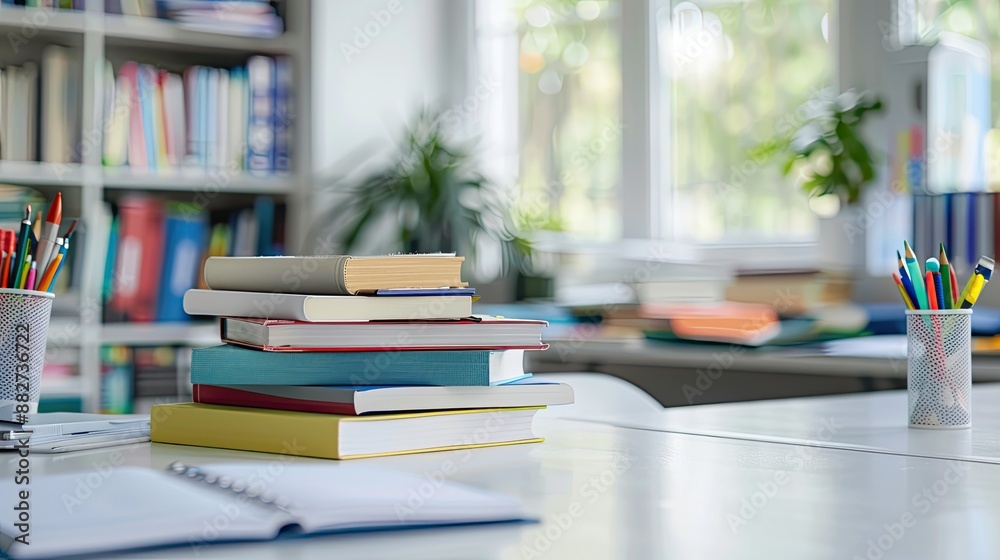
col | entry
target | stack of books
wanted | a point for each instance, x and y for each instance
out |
(344, 357)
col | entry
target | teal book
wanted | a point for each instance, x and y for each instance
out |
(233, 365)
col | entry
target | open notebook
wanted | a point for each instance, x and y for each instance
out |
(137, 508)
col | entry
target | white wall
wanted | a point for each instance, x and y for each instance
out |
(375, 64)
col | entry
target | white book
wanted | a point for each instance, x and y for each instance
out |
(3, 114)
(176, 116)
(324, 308)
(13, 113)
(173, 507)
(221, 116)
(117, 120)
(29, 78)
(237, 120)
(212, 128)
(55, 119)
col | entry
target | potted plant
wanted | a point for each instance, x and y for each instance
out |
(834, 166)
(431, 198)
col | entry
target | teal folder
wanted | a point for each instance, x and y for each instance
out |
(233, 365)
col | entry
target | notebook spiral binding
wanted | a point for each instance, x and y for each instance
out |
(267, 498)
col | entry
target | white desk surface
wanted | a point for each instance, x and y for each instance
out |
(873, 421)
(673, 496)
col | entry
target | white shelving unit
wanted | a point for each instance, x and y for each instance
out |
(97, 36)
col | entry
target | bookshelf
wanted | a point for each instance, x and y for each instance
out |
(94, 37)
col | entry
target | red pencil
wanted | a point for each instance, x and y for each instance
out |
(931, 291)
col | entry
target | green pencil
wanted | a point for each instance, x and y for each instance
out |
(949, 302)
(915, 276)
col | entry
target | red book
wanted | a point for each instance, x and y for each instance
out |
(139, 259)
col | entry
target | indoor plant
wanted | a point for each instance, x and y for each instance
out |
(833, 164)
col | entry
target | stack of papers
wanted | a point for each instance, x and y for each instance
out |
(59, 432)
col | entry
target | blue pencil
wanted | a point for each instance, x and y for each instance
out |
(907, 284)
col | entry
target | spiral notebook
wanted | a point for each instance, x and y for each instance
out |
(195, 507)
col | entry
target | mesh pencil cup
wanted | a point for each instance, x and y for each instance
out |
(24, 325)
(939, 368)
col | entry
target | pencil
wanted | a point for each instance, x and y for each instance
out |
(931, 292)
(23, 277)
(904, 277)
(915, 276)
(902, 290)
(946, 276)
(50, 272)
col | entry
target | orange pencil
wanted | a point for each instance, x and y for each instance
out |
(50, 272)
(931, 291)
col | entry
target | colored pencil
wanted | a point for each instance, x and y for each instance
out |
(904, 277)
(931, 292)
(46, 282)
(62, 261)
(23, 277)
(915, 276)
(902, 290)
(946, 276)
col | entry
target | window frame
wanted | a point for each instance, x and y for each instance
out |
(642, 190)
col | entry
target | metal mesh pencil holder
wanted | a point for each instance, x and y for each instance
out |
(24, 325)
(939, 368)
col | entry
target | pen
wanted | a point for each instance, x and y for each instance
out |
(22, 248)
(29, 283)
(980, 276)
(984, 268)
(47, 241)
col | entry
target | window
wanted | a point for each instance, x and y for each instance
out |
(725, 76)
(734, 75)
(566, 149)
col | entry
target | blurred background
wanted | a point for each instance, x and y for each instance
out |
(679, 187)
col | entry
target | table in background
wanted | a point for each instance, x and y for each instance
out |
(734, 373)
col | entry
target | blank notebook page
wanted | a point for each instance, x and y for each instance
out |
(342, 496)
(132, 507)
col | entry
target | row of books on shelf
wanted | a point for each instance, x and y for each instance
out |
(964, 222)
(246, 18)
(406, 368)
(231, 120)
(156, 250)
(40, 109)
(234, 119)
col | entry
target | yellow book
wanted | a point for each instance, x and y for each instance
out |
(335, 436)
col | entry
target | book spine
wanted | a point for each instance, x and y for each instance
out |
(282, 113)
(211, 394)
(260, 132)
